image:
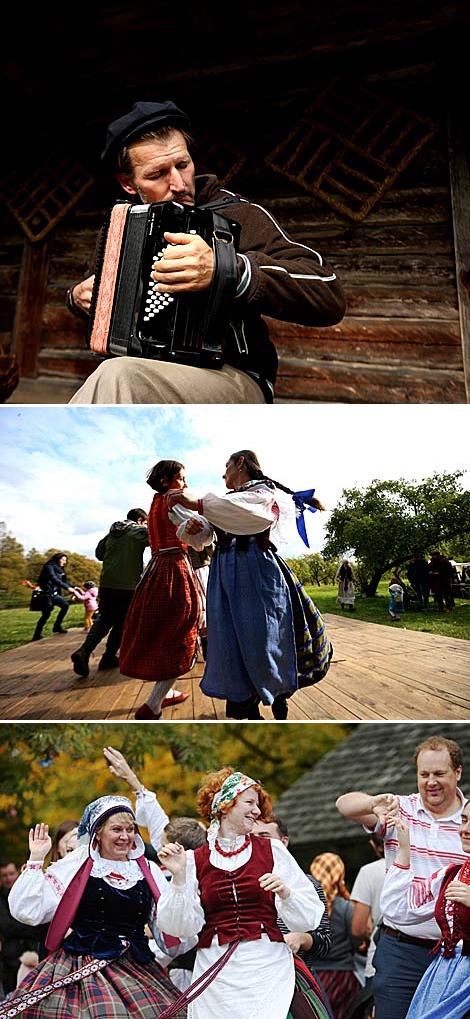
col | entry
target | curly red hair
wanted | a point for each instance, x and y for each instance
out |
(211, 785)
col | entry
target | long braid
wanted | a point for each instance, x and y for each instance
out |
(253, 468)
(314, 503)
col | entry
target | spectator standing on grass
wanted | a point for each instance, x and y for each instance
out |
(440, 577)
(396, 605)
(418, 576)
(90, 603)
(346, 586)
(52, 580)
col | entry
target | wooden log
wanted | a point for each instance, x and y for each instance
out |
(459, 165)
(29, 306)
(333, 382)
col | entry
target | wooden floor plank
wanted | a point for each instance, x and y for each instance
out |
(378, 673)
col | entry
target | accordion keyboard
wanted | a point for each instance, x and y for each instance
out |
(155, 301)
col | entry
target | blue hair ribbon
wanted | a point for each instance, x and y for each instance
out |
(300, 506)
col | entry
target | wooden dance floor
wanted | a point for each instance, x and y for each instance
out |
(377, 673)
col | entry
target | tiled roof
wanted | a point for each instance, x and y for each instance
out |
(376, 757)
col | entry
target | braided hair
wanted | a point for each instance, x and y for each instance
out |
(254, 470)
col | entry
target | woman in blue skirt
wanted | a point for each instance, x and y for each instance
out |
(265, 637)
(444, 990)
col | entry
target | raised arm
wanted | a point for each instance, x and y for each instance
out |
(366, 809)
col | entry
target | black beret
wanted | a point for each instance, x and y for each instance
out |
(143, 117)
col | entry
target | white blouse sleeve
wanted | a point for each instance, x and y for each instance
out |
(248, 512)
(406, 898)
(150, 814)
(35, 895)
(303, 909)
(180, 912)
(179, 516)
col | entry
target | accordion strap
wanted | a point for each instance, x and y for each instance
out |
(225, 267)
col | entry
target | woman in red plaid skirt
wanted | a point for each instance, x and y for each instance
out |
(97, 900)
(159, 639)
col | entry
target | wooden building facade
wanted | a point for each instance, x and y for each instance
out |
(347, 124)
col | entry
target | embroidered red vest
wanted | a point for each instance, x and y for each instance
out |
(235, 907)
(461, 925)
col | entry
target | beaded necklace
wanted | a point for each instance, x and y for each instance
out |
(232, 852)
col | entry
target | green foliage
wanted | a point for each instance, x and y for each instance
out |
(386, 523)
(50, 772)
(314, 569)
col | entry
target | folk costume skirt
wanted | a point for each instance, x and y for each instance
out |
(444, 990)
(250, 631)
(341, 987)
(160, 632)
(121, 989)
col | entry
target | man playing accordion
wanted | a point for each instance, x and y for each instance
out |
(148, 150)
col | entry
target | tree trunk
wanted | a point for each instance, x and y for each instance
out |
(370, 588)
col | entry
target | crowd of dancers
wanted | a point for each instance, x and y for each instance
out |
(215, 917)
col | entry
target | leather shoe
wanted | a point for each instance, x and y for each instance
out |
(144, 712)
(177, 698)
(58, 629)
(108, 663)
(80, 663)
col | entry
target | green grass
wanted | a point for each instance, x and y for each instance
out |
(375, 610)
(17, 625)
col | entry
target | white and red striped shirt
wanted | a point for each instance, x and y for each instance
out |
(434, 844)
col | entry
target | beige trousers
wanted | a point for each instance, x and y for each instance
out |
(139, 380)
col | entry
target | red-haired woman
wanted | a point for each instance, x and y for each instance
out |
(230, 891)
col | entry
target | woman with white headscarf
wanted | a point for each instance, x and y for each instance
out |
(97, 900)
(230, 892)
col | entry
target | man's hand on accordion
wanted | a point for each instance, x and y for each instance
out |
(187, 264)
(81, 294)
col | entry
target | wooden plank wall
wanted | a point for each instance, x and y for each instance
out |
(400, 340)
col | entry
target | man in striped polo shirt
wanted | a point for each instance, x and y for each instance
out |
(433, 816)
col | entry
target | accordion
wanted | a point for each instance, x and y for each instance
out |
(129, 317)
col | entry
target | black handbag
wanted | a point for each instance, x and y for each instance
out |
(38, 601)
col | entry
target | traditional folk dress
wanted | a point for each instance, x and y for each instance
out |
(223, 902)
(444, 990)
(346, 586)
(160, 633)
(265, 635)
(99, 962)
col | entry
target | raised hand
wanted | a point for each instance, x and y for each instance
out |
(173, 857)
(40, 842)
(385, 806)
(118, 766)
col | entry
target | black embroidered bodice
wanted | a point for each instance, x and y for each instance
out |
(109, 919)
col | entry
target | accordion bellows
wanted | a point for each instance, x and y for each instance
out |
(128, 317)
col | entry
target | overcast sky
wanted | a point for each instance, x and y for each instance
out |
(68, 472)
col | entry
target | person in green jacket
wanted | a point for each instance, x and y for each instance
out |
(122, 552)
